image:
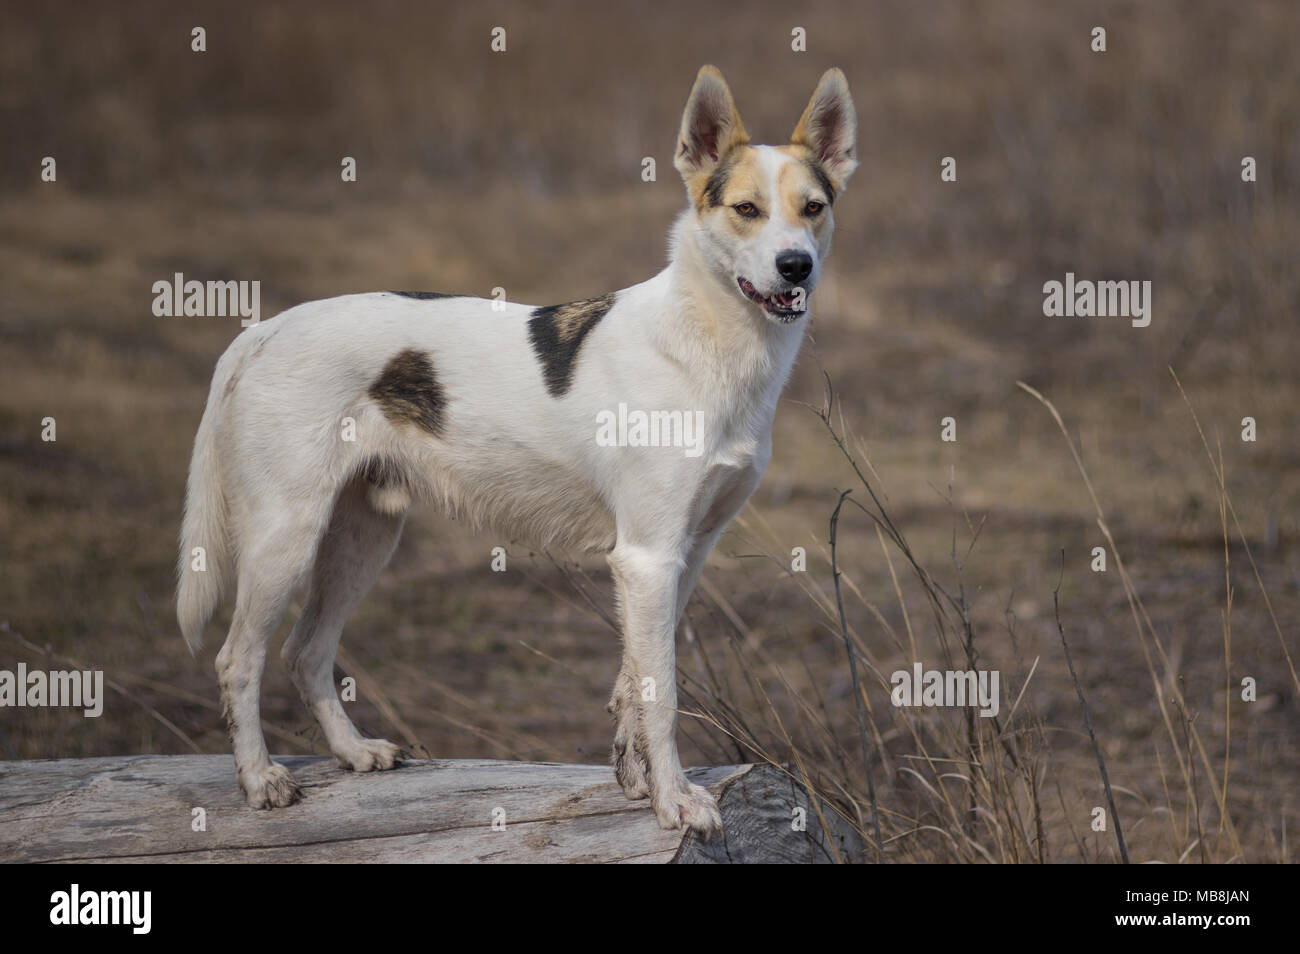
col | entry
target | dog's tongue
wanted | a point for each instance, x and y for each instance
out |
(783, 300)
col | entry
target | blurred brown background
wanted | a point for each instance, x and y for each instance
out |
(522, 170)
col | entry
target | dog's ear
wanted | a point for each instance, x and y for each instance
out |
(711, 126)
(829, 128)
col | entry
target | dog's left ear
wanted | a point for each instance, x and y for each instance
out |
(829, 128)
(711, 126)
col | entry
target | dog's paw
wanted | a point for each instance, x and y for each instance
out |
(690, 806)
(270, 787)
(370, 755)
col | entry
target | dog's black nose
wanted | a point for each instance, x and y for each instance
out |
(793, 265)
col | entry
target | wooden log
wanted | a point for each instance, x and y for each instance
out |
(142, 809)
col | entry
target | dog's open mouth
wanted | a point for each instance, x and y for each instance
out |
(780, 306)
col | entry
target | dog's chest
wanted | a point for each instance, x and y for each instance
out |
(731, 472)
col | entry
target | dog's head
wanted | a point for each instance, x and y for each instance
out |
(762, 214)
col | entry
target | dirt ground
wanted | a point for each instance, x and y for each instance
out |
(522, 170)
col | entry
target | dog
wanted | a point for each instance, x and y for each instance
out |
(325, 424)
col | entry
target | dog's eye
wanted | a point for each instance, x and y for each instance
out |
(747, 209)
(814, 207)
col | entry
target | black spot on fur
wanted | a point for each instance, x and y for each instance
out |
(423, 296)
(556, 333)
(717, 183)
(408, 392)
(823, 180)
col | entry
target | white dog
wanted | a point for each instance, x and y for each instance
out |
(325, 424)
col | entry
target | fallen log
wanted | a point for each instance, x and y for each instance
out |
(187, 808)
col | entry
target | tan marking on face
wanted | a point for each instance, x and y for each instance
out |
(738, 178)
(806, 156)
(796, 151)
(797, 186)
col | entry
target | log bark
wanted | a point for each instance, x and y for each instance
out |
(142, 809)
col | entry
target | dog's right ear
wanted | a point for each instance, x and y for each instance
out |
(711, 126)
(828, 128)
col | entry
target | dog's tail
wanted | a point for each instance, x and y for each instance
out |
(205, 556)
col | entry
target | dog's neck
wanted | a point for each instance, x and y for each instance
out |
(706, 325)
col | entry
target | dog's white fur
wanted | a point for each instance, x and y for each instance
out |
(277, 498)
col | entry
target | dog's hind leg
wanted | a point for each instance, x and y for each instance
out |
(354, 549)
(271, 564)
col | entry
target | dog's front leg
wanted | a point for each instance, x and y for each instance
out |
(646, 580)
(630, 765)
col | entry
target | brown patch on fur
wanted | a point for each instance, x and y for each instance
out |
(408, 392)
(556, 333)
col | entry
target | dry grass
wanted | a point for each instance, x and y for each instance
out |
(524, 171)
(955, 787)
